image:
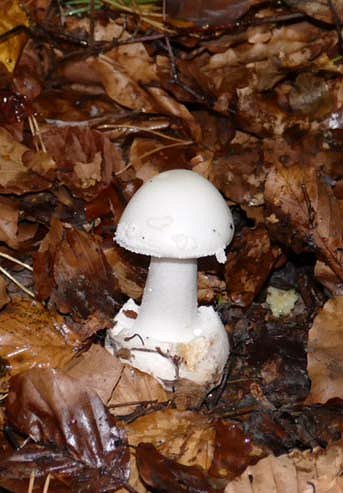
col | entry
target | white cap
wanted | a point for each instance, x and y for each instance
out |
(176, 214)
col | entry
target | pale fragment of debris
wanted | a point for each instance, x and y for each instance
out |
(281, 302)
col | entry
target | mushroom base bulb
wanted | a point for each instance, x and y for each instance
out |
(200, 358)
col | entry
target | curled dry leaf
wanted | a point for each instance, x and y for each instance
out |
(207, 13)
(4, 298)
(14, 176)
(184, 436)
(303, 213)
(70, 267)
(87, 451)
(166, 475)
(121, 87)
(32, 336)
(318, 471)
(325, 353)
(250, 262)
(13, 16)
(121, 387)
(85, 159)
(318, 9)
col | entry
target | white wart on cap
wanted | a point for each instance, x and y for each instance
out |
(176, 217)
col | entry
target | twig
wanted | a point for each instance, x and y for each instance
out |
(163, 147)
(17, 283)
(32, 481)
(338, 23)
(46, 484)
(16, 261)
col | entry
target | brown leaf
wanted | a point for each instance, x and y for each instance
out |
(85, 159)
(318, 9)
(4, 298)
(13, 16)
(233, 451)
(71, 422)
(14, 177)
(303, 212)
(249, 264)
(32, 336)
(299, 472)
(120, 87)
(165, 475)
(325, 353)
(78, 277)
(205, 13)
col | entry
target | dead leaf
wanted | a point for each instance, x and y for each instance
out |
(71, 268)
(303, 212)
(207, 13)
(4, 298)
(71, 423)
(318, 471)
(32, 336)
(185, 436)
(14, 176)
(120, 87)
(165, 475)
(325, 353)
(318, 9)
(13, 16)
(250, 261)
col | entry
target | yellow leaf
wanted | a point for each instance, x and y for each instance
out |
(12, 16)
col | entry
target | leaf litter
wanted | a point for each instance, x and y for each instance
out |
(95, 99)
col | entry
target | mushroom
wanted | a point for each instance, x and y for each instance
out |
(176, 217)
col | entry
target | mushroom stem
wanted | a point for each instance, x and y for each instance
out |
(170, 300)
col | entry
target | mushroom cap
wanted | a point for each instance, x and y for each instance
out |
(176, 214)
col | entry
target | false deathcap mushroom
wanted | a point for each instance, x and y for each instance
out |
(176, 217)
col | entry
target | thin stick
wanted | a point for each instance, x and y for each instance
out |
(16, 261)
(141, 129)
(32, 481)
(17, 283)
(168, 146)
(46, 484)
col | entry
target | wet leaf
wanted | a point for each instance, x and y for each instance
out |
(249, 264)
(297, 472)
(71, 268)
(205, 13)
(13, 16)
(164, 475)
(70, 422)
(4, 298)
(303, 212)
(325, 353)
(32, 336)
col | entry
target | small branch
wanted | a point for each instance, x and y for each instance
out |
(16, 261)
(17, 283)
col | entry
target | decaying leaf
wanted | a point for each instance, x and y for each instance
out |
(12, 16)
(303, 212)
(80, 445)
(165, 475)
(318, 471)
(325, 353)
(30, 336)
(249, 263)
(71, 268)
(14, 177)
(4, 298)
(122, 388)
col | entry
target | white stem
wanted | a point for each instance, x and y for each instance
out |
(170, 299)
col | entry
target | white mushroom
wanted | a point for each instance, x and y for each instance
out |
(176, 217)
